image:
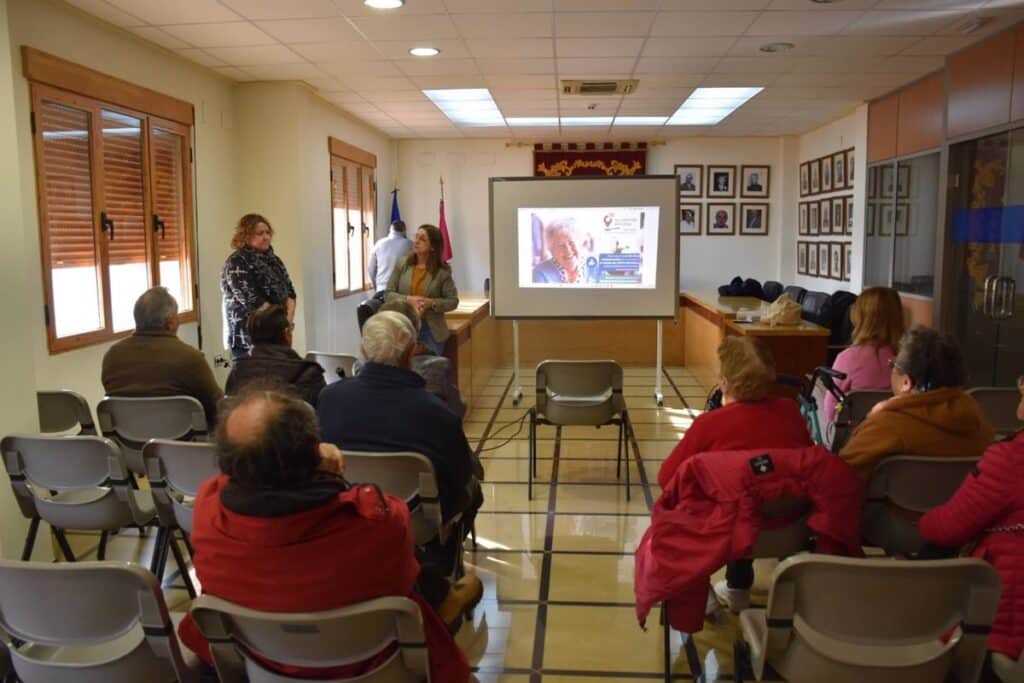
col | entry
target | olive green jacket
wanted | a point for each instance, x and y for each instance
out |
(440, 287)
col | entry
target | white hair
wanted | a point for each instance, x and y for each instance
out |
(387, 338)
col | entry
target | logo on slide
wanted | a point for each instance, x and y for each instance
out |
(607, 219)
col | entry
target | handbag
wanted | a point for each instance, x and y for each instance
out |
(782, 311)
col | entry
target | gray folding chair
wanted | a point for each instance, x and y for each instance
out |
(914, 483)
(846, 620)
(999, 404)
(63, 410)
(175, 470)
(132, 421)
(1008, 670)
(89, 622)
(336, 365)
(580, 392)
(853, 410)
(325, 639)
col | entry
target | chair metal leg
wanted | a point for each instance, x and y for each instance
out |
(101, 552)
(179, 560)
(472, 535)
(629, 493)
(693, 658)
(666, 643)
(740, 661)
(30, 540)
(531, 454)
(159, 547)
(618, 454)
(65, 547)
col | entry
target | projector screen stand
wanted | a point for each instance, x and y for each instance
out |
(658, 396)
(517, 391)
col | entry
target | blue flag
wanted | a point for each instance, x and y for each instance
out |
(396, 215)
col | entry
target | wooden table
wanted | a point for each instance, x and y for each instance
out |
(473, 346)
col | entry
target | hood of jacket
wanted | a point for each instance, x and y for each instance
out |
(947, 410)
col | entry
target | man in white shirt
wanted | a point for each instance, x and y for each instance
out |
(387, 252)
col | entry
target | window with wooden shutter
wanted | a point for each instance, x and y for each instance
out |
(369, 214)
(353, 215)
(115, 207)
(339, 226)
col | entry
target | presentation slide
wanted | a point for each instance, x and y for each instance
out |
(588, 247)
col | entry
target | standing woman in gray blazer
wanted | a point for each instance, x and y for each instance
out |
(426, 283)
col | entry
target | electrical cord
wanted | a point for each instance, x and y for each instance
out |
(518, 421)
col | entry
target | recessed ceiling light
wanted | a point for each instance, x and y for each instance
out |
(424, 52)
(384, 4)
(777, 47)
(708, 106)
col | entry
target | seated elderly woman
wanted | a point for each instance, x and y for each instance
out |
(749, 418)
(929, 413)
(272, 359)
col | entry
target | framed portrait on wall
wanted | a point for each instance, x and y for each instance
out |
(812, 259)
(870, 219)
(813, 226)
(826, 174)
(826, 217)
(849, 167)
(872, 187)
(721, 182)
(801, 258)
(902, 220)
(886, 219)
(903, 182)
(721, 219)
(690, 216)
(802, 219)
(888, 182)
(755, 181)
(835, 268)
(849, 215)
(754, 219)
(815, 170)
(805, 180)
(823, 253)
(847, 260)
(691, 179)
(838, 215)
(839, 170)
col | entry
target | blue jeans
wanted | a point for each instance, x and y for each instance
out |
(427, 339)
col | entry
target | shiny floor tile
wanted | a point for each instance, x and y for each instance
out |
(500, 636)
(598, 498)
(591, 578)
(513, 498)
(506, 576)
(598, 533)
(500, 531)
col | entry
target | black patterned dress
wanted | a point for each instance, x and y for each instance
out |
(249, 279)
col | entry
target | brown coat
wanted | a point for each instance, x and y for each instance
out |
(943, 422)
(160, 364)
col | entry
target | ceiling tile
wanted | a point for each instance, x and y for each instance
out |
(500, 68)
(895, 23)
(521, 82)
(335, 29)
(676, 65)
(807, 23)
(442, 82)
(606, 47)
(661, 82)
(690, 47)
(437, 67)
(938, 45)
(354, 8)
(198, 56)
(283, 72)
(424, 107)
(107, 12)
(541, 96)
(233, 72)
(914, 65)
(521, 47)
(729, 80)
(492, 6)
(803, 6)
(406, 26)
(505, 25)
(515, 109)
(649, 107)
(614, 67)
(275, 9)
(377, 95)
(604, 5)
(353, 68)
(746, 65)
(702, 23)
(713, 5)
(363, 83)
(843, 45)
(220, 34)
(335, 52)
(344, 98)
(962, 5)
(326, 84)
(155, 35)
(399, 49)
(177, 12)
(255, 55)
(598, 24)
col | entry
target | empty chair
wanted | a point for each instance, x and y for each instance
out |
(817, 308)
(795, 293)
(583, 392)
(772, 290)
(847, 620)
(242, 641)
(913, 483)
(89, 622)
(63, 410)
(336, 365)
(853, 411)
(132, 421)
(999, 404)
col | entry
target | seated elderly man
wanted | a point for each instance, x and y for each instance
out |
(154, 362)
(281, 531)
(386, 407)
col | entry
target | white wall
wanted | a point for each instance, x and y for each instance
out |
(849, 131)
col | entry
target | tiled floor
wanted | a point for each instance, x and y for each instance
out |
(558, 569)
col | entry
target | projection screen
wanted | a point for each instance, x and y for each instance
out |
(594, 247)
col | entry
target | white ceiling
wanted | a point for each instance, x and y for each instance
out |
(358, 59)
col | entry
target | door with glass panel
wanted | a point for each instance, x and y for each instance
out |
(986, 233)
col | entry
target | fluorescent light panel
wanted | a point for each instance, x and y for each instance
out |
(640, 120)
(586, 120)
(532, 121)
(708, 106)
(467, 107)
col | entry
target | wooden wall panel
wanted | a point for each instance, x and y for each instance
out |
(980, 83)
(922, 109)
(918, 311)
(1017, 98)
(883, 124)
(630, 342)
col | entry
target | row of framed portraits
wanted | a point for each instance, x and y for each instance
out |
(831, 260)
(884, 219)
(721, 219)
(830, 216)
(829, 173)
(888, 182)
(720, 182)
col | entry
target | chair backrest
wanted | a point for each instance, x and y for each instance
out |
(336, 365)
(405, 475)
(132, 421)
(784, 541)
(175, 470)
(63, 410)
(795, 293)
(325, 639)
(999, 404)
(90, 466)
(841, 619)
(817, 308)
(772, 290)
(94, 621)
(914, 483)
(854, 410)
(579, 392)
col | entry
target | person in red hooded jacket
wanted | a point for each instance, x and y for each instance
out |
(989, 508)
(281, 531)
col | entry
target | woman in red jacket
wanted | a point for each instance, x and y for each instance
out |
(748, 419)
(989, 507)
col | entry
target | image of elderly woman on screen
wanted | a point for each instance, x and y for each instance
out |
(565, 249)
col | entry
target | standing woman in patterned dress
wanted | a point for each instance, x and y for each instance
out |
(252, 279)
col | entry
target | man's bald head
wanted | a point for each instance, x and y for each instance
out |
(268, 440)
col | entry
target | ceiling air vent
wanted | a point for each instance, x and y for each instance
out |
(599, 87)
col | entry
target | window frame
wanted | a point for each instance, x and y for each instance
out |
(359, 161)
(62, 83)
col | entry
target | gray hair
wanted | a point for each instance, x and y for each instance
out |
(566, 225)
(387, 338)
(153, 309)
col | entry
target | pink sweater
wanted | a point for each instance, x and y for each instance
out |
(866, 368)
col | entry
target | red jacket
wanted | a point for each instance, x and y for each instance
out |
(992, 496)
(772, 423)
(709, 516)
(351, 549)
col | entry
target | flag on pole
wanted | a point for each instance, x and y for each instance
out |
(443, 225)
(396, 215)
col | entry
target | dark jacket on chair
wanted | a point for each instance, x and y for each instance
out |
(278, 364)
